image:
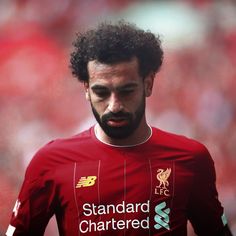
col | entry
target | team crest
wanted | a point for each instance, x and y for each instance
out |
(163, 187)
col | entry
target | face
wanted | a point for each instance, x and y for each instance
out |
(117, 95)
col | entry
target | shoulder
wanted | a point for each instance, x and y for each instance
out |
(69, 143)
(180, 143)
(60, 145)
(185, 150)
(57, 152)
(177, 141)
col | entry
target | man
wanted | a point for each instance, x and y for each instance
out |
(120, 177)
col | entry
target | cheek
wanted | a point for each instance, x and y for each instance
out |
(137, 99)
(99, 106)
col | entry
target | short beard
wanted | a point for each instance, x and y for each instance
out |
(124, 131)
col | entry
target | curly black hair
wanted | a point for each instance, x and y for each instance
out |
(111, 43)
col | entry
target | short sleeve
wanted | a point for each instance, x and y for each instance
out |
(36, 201)
(204, 210)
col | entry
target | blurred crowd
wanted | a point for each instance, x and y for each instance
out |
(194, 93)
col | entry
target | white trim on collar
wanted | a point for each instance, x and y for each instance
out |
(121, 146)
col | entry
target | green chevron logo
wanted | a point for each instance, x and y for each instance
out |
(162, 216)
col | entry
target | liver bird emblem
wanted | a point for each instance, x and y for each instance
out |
(163, 176)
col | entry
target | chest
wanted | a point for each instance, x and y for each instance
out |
(140, 193)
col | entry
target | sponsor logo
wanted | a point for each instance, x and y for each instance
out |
(10, 230)
(224, 219)
(92, 224)
(162, 216)
(162, 177)
(16, 207)
(86, 181)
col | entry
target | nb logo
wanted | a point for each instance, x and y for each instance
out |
(162, 216)
(86, 181)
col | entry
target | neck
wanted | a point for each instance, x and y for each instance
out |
(140, 135)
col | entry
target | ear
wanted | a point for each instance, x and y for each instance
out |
(148, 84)
(86, 88)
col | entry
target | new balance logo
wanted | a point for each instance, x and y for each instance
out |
(86, 181)
(162, 216)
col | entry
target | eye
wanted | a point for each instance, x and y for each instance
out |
(102, 93)
(126, 92)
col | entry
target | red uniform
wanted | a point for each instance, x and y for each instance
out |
(98, 189)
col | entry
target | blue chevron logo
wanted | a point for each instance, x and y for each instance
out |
(162, 216)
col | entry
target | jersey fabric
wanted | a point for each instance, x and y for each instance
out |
(98, 189)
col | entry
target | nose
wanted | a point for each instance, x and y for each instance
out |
(115, 105)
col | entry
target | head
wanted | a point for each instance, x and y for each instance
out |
(111, 43)
(117, 64)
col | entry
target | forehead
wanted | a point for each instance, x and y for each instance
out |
(121, 72)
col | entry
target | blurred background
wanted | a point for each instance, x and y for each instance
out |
(194, 93)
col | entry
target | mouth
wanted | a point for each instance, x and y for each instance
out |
(117, 122)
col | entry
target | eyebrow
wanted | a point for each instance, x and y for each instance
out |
(126, 86)
(98, 87)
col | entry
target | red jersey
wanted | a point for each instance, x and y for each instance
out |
(98, 189)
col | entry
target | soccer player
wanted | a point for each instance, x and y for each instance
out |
(121, 176)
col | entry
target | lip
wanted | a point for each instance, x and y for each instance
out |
(118, 122)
